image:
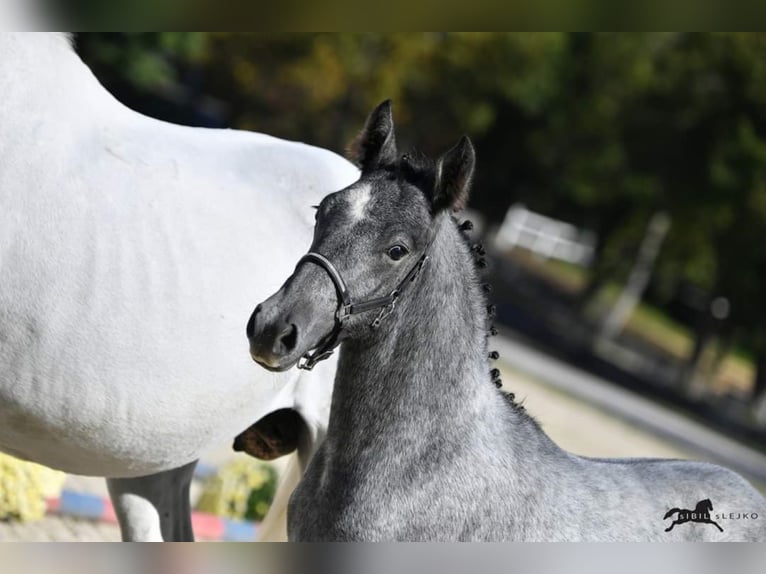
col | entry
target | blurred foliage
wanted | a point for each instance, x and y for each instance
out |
(24, 488)
(242, 489)
(602, 130)
(144, 60)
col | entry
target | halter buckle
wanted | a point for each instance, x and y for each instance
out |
(385, 311)
(307, 361)
(343, 312)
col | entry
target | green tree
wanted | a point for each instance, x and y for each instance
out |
(602, 130)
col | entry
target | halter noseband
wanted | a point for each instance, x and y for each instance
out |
(347, 307)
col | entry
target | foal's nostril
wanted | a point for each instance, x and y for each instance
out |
(288, 339)
(250, 329)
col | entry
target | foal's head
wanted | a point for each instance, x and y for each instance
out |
(370, 238)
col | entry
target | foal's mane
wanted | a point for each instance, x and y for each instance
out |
(415, 168)
(418, 169)
(478, 252)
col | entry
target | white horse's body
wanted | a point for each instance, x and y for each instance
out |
(132, 252)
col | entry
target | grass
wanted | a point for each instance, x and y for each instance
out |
(651, 324)
(569, 277)
(648, 323)
(736, 371)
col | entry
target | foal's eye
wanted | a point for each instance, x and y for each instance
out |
(397, 252)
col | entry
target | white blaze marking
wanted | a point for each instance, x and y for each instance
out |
(358, 200)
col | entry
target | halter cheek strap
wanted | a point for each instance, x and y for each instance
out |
(347, 306)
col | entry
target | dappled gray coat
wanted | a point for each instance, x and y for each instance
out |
(420, 444)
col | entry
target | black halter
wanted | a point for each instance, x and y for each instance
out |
(347, 306)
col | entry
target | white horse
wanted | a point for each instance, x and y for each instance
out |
(131, 254)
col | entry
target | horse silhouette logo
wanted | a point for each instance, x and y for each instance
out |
(701, 514)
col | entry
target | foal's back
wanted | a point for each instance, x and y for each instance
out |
(542, 492)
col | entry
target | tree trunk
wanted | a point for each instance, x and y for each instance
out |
(758, 401)
(596, 283)
(696, 374)
(759, 387)
(601, 272)
(725, 344)
(631, 295)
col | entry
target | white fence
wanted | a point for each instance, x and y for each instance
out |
(549, 238)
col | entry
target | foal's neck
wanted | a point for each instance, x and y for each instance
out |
(425, 370)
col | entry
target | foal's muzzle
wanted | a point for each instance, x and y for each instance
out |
(277, 343)
(272, 342)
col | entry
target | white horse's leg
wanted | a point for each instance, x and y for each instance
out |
(156, 507)
(274, 525)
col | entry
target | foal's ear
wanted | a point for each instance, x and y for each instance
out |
(375, 145)
(454, 174)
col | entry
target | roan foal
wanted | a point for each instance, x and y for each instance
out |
(421, 445)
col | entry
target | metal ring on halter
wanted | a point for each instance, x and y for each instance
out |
(347, 307)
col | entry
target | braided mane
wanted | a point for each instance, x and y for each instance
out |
(479, 252)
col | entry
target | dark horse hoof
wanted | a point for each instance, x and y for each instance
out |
(275, 435)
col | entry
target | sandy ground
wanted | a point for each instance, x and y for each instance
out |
(584, 429)
(571, 422)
